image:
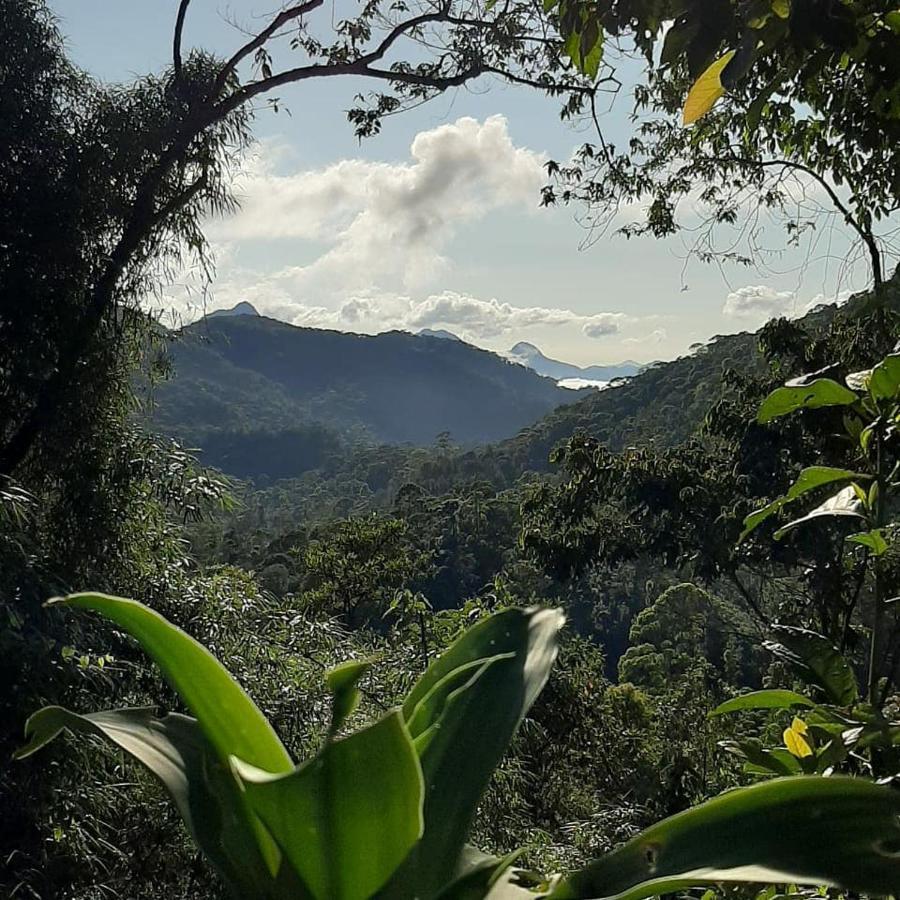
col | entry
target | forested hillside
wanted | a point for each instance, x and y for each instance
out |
(483, 646)
(240, 380)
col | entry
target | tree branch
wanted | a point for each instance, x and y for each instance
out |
(286, 15)
(176, 41)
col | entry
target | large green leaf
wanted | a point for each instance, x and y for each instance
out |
(175, 750)
(837, 831)
(772, 699)
(884, 382)
(816, 394)
(347, 818)
(816, 660)
(809, 479)
(229, 718)
(466, 708)
(845, 503)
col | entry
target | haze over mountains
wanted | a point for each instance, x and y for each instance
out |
(240, 378)
(530, 356)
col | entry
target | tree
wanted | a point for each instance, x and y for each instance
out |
(130, 172)
(813, 101)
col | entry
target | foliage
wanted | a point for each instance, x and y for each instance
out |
(244, 801)
(812, 99)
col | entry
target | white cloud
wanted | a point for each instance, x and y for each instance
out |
(603, 324)
(385, 225)
(762, 302)
(759, 300)
(471, 317)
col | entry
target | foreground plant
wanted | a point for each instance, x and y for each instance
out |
(385, 811)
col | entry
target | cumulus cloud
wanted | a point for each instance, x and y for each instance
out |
(385, 224)
(472, 317)
(603, 324)
(764, 302)
(757, 300)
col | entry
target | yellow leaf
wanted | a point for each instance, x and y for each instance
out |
(781, 8)
(795, 741)
(706, 90)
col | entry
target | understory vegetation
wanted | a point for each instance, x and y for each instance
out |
(717, 533)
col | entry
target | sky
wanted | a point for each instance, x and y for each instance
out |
(436, 222)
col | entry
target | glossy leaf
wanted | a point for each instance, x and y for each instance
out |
(346, 819)
(809, 479)
(844, 503)
(465, 709)
(817, 394)
(706, 90)
(884, 382)
(231, 721)
(175, 750)
(771, 699)
(229, 718)
(873, 539)
(816, 660)
(843, 832)
(342, 681)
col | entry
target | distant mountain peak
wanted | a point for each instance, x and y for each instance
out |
(568, 374)
(242, 308)
(441, 333)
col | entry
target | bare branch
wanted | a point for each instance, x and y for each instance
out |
(286, 15)
(176, 41)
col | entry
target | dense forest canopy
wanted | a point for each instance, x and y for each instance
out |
(718, 532)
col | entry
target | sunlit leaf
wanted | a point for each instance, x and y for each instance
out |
(771, 699)
(795, 739)
(873, 539)
(843, 832)
(844, 503)
(176, 751)
(347, 818)
(466, 707)
(342, 681)
(809, 479)
(706, 90)
(884, 382)
(815, 395)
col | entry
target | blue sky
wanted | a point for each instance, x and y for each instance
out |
(436, 221)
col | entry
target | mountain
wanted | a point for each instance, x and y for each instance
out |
(244, 308)
(441, 333)
(252, 388)
(531, 357)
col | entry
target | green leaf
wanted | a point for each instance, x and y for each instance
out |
(465, 709)
(873, 539)
(809, 479)
(842, 832)
(231, 721)
(815, 395)
(342, 681)
(175, 750)
(845, 502)
(884, 382)
(347, 818)
(762, 761)
(817, 660)
(706, 90)
(229, 718)
(772, 699)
